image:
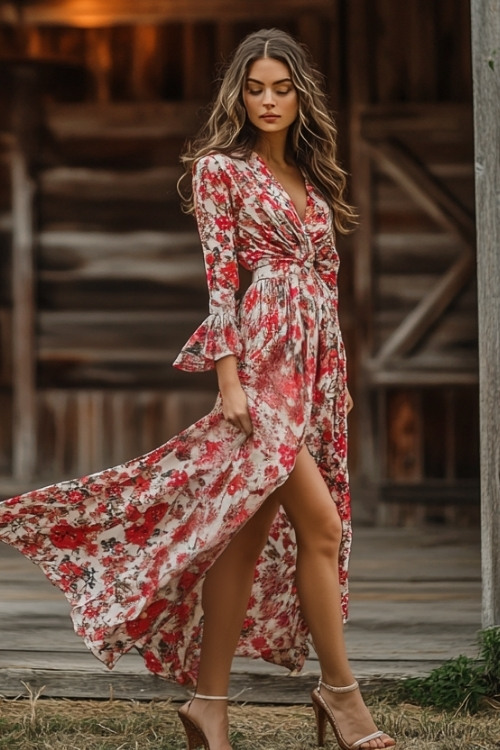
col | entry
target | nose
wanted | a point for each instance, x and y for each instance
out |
(269, 98)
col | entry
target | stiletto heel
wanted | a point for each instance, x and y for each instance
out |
(324, 712)
(194, 733)
(320, 723)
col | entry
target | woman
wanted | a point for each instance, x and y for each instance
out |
(207, 545)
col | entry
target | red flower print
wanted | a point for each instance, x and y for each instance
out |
(153, 663)
(327, 436)
(287, 457)
(138, 627)
(75, 496)
(177, 478)
(236, 483)
(224, 222)
(259, 643)
(132, 512)
(65, 536)
(185, 529)
(187, 580)
(139, 534)
(154, 514)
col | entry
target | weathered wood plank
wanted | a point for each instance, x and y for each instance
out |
(410, 252)
(423, 69)
(147, 62)
(123, 119)
(92, 13)
(25, 118)
(62, 244)
(251, 687)
(441, 121)
(90, 429)
(6, 347)
(404, 436)
(99, 61)
(486, 65)
(181, 271)
(452, 334)
(427, 192)
(445, 373)
(361, 91)
(428, 310)
(153, 184)
(121, 336)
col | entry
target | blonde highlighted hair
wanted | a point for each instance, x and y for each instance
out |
(312, 138)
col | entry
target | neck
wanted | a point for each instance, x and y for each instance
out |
(272, 148)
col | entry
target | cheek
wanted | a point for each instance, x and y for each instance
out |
(293, 107)
(249, 107)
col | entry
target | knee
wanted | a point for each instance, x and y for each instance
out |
(325, 536)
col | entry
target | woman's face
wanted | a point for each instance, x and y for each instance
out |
(269, 96)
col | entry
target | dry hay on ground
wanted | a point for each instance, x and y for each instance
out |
(47, 724)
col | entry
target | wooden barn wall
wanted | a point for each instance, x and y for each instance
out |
(117, 279)
(411, 139)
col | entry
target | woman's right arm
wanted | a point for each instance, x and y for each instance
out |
(234, 400)
(216, 343)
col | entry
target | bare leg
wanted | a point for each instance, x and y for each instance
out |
(313, 514)
(226, 592)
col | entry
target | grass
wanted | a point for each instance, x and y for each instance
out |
(49, 724)
(462, 683)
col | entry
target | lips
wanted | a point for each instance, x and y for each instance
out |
(270, 118)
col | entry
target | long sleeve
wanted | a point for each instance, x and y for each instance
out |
(218, 335)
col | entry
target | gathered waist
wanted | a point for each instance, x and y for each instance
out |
(283, 268)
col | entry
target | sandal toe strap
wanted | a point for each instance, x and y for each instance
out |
(373, 736)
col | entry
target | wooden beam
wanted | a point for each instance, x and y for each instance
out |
(99, 63)
(124, 119)
(443, 120)
(425, 189)
(486, 69)
(431, 307)
(95, 13)
(25, 122)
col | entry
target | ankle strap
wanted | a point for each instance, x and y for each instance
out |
(332, 689)
(210, 697)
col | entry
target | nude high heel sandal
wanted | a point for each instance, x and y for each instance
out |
(194, 733)
(324, 712)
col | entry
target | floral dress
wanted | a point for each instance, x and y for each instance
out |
(129, 546)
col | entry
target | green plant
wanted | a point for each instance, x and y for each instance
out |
(461, 683)
(489, 654)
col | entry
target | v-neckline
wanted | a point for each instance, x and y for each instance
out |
(272, 176)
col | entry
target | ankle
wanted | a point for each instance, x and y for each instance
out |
(208, 697)
(341, 683)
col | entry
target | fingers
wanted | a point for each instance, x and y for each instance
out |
(246, 424)
(243, 422)
(235, 408)
(349, 402)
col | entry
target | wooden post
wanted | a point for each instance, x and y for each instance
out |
(25, 126)
(486, 75)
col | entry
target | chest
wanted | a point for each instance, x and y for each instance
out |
(292, 183)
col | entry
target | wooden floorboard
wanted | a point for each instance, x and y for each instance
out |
(415, 602)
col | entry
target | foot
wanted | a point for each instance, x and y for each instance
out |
(354, 719)
(211, 717)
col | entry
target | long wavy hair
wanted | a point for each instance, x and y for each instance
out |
(311, 139)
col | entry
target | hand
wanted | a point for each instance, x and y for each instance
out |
(235, 408)
(349, 401)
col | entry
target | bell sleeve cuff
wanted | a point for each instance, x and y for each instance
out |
(215, 338)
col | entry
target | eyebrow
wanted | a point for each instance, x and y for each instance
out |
(276, 83)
